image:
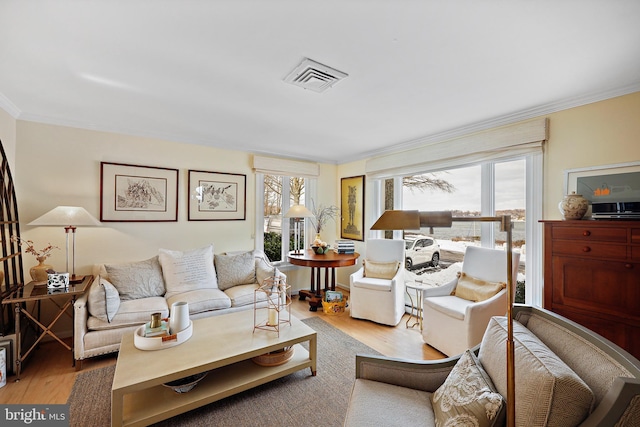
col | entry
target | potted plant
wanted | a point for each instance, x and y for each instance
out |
(322, 214)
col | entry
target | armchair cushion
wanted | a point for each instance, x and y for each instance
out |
(380, 270)
(468, 397)
(103, 300)
(474, 289)
(548, 392)
(135, 280)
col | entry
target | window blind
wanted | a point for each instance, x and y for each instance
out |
(286, 167)
(494, 144)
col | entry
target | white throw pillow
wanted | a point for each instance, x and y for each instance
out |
(104, 300)
(236, 269)
(188, 271)
(468, 397)
(135, 280)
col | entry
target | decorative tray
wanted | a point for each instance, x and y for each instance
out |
(158, 343)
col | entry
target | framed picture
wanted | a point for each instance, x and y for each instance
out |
(133, 193)
(352, 208)
(217, 196)
(611, 183)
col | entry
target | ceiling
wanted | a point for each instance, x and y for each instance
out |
(211, 72)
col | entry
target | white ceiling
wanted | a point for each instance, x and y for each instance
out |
(211, 72)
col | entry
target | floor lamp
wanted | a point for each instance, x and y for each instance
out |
(69, 217)
(298, 213)
(414, 220)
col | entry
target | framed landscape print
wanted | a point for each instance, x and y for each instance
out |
(217, 196)
(352, 208)
(133, 193)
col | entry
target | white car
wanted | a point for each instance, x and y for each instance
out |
(421, 250)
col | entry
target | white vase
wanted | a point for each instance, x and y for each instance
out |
(573, 206)
(179, 318)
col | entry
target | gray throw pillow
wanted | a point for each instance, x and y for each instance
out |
(237, 269)
(136, 280)
(103, 301)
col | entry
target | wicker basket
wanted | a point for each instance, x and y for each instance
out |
(274, 358)
(334, 308)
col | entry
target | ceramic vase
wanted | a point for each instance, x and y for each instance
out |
(179, 318)
(573, 206)
(39, 272)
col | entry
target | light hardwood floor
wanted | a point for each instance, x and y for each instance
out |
(48, 376)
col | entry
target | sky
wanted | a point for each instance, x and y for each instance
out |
(510, 189)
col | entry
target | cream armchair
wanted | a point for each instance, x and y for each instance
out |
(453, 324)
(376, 299)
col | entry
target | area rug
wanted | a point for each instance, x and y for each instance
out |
(295, 400)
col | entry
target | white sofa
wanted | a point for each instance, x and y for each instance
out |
(565, 374)
(123, 296)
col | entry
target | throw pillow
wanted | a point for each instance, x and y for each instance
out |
(136, 280)
(237, 269)
(548, 392)
(474, 289)
(103, 300)
(468, 397)
(380, 270)
(264, 270)
(188, 271)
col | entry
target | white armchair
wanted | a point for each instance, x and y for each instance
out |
(379, 300)
(453, 324)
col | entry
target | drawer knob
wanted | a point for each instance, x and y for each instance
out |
(586, 233)
(586, 249)
(628, 265)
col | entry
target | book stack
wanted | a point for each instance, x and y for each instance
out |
(344, 246)
(160, 331)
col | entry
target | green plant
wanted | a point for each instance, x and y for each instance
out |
(273, 245)
(519, 297)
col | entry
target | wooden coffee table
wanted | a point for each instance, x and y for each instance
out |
(222, 344)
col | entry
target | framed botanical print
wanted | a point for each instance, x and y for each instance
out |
(217, 196)
(352, 208)
(134, 193)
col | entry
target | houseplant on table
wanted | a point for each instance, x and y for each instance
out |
(322, 214)
(39, 272)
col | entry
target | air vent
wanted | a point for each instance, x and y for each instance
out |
(314, 76)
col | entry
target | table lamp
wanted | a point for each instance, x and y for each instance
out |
(298, 213)
(414, 220)
(69, 217)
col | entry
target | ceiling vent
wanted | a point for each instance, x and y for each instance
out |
(314, 76)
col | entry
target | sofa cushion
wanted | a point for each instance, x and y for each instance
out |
(188, 271)
(245, 294)
(380, 270)
(132, 312)
(374, 403)
(468, 397)
(381, 285)
(135, 280)
(103, 300)
(264, 270)
(474, 289)
(548, 392)
(201, 300)
(236, 269)
(450, 305)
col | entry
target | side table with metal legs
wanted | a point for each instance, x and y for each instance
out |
(418, 287)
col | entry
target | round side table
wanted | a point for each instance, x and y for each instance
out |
(418, 287)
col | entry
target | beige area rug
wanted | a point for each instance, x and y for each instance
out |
(295, 400)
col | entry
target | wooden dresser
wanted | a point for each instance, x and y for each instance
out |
(592, 276)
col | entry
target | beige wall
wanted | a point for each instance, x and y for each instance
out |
(8, 138)
(601, 133)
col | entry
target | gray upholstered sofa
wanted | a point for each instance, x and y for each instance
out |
(124, 295)
(565, 375)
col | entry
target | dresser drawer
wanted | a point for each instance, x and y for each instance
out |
(589, 249)
(635, 235)
(587, 233)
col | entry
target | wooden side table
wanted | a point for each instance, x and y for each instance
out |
(36, 292)
(329, 261)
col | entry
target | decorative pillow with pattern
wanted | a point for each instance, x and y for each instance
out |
(236, 269)
(188, 270)
(474, 289)
(468, 397)
(136, 280)
(380, 270)
(103, 301)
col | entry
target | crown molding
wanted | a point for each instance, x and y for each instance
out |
(503, 120)
(9, 106)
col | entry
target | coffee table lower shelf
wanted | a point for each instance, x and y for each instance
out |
(157, 403)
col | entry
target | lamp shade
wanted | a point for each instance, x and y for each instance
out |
(299, 211)
(67, 216)
(412, 220)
